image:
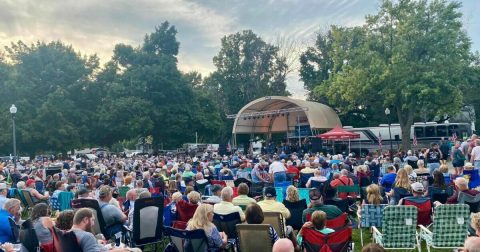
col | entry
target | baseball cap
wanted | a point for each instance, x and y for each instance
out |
(216, 188)
(314, 194)
(3, 186)
(270, 192)
(104, 191)
(417, 187)
(29, 182)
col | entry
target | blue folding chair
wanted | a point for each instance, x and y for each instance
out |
(304, 178)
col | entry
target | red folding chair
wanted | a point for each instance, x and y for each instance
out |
(424, 206)
(185, 210)
(338, 241)
(218, 182)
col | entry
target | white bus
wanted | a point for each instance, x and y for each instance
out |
(425, 134)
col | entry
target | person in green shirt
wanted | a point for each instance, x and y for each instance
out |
(316, 203)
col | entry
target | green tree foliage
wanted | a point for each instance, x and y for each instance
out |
(148, 95)
(247, 68)
(47, 82)
(411, 56)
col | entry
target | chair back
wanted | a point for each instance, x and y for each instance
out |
(238, 181)
(218, 182)
(254, 237)
(187, 240)
(348, 189)
(122, 191)
(65, 200)
(256, 190)
(280, 194)
(40, 186)
(399, 227)
(342, 204)
(472, 201)
(319, 185)
(450, 225)
(27, 198)
(424, 206)
(296, 212)
(185, 210)
(226, 177)
(147, 221)
(400, 193)
(100, 227)
(439, 194)
(54, 203)
(337, 222)
(303, 193)
(227, 223)
(336, 241)
(304, 178)
(167, 215)
(275, 219)
(372, 215)
(201, 187)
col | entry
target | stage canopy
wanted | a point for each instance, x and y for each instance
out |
(272, 114)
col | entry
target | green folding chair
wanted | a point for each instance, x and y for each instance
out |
(399, 227)
(349, 189)
(449, 229)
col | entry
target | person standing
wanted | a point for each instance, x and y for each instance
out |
(433, 156)
(475, 155)
(458, 158)
(277, 170)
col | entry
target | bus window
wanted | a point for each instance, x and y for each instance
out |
(442, 131)
(463, 130)
(430, 131)
(419, 132)
(453, 129)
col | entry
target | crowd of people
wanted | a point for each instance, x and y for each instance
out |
(186, 185)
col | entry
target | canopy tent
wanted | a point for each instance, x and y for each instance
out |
(338, 133)
(274, 114)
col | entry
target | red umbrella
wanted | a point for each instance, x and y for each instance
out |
(338, 133)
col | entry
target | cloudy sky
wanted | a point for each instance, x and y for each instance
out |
(96, 26)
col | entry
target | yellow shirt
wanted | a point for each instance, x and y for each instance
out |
(274, 206)
(225, 207)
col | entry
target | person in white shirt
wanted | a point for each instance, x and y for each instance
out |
(226, 206)
(317, 176)
(277, 170)
(475, 154)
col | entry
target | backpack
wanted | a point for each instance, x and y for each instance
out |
(28, 237)
(65, 241)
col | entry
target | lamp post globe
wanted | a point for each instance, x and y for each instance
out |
(13, 109)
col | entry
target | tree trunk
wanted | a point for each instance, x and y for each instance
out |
(405, 118)
(406, 128)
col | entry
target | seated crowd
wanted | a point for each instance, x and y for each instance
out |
(196, 190)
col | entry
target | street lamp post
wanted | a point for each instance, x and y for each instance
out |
(387, 113)
(13, 111)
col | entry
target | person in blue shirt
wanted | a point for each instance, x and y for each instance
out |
(389, 178)
(11, 210)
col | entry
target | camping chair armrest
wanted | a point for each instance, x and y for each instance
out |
(126, 228)
(423, 229)
(376, 231)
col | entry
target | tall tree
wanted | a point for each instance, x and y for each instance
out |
(47, 85)
(247, 68)
(148, 95)
(413, 56)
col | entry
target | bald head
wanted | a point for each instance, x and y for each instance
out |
(283, 245)
(131, 194)
(472, 244)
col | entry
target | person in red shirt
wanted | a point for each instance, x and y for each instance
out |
(293, 170)
(343, 180)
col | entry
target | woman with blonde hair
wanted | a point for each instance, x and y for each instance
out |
(411, 175)
(374, 197)
(444, 170)
(202, 219)
(292, 194)
(402, 183)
